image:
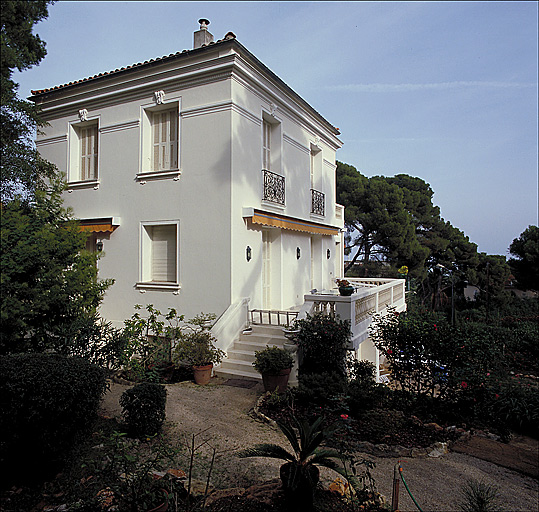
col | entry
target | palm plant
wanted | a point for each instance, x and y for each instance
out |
(300, 474)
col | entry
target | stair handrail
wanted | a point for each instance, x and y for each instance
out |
(230, 324)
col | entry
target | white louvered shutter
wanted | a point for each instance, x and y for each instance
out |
(164, 253)
(89, 153)
(165, 140)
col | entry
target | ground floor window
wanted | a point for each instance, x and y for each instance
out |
(159, 253)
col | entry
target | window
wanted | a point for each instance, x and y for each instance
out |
(266, 145)
(271, 143)
(88, 153)
(84, 152)
(159, 255)
(160, 142)
(165, 140)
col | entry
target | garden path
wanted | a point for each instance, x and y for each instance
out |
(220, 413)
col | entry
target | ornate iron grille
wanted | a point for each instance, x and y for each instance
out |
(274, 187)
(317, 202)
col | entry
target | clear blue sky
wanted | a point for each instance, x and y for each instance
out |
(446, 91)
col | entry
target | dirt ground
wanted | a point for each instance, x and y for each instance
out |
(221, 414)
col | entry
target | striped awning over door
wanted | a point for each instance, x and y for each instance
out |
(280, 221)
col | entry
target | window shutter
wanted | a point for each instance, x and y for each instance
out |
(88, 153)
(165, 140)
(164, 253)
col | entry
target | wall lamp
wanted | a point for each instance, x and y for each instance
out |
(328, 254)
(298, 253)
(99, 245)
(248, 253)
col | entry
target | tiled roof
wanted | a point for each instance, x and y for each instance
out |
(229, 36)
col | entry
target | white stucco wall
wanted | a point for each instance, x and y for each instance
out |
(220, 159)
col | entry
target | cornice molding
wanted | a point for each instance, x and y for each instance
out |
(51, 140)
(120, 126)
(295, 143)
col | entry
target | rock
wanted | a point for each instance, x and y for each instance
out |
(418, 452)
(438, 449)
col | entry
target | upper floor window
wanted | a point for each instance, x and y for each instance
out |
(271, 143)
(165, 140)
(88, 152)
(160, 141)
(83, 152)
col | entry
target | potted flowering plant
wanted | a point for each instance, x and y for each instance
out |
(195, 346)
(345, 288)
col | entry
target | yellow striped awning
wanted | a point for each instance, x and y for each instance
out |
(105, 225)
(280, 221)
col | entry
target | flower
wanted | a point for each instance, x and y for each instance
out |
(344, 416)
(389, 351)
(496, 396)
(464, 384)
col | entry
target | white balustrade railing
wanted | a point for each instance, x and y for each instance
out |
(371, 296)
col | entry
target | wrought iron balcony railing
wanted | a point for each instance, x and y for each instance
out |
(318, 200)
(274, 187)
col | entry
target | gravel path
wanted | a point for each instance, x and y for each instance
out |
(220, 414)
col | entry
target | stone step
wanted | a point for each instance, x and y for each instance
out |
(231, 374)
(240, 357)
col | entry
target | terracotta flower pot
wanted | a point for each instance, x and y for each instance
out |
(280, 380)
(202, 374)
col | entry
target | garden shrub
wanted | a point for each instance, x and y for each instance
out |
(46, 401)
(320, 388)
(143, 408)
(323, 342)
(363, 391)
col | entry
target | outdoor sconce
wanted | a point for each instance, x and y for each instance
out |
(298, 253)
(328, 254)
(99, 245)
(248, 253)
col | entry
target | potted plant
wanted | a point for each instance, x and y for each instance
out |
(195, 346)
(274, 364)
(299, 474)
(345, 288)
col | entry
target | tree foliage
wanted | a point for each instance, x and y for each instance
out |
(525, 264)
(49, 281)
(22, 170)
(379, 225)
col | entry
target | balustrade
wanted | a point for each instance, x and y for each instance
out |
(274, 187)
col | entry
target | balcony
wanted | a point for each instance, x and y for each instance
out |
(274, 187)
(371, 296)
(318, 201)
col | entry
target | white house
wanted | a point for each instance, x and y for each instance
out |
(207, 181)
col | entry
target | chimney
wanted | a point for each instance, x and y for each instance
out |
(202, 36)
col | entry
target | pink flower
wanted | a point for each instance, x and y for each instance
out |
(496, 396)
(435, 328)
(488, 374)
(344, 416)
(390, 351)
(464, 384)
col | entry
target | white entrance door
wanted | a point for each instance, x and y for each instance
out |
(266, 270)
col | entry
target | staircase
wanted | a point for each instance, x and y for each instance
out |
(239, 360)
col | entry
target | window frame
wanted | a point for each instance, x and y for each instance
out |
(146, 257)
(75, 154)
(147, 170)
